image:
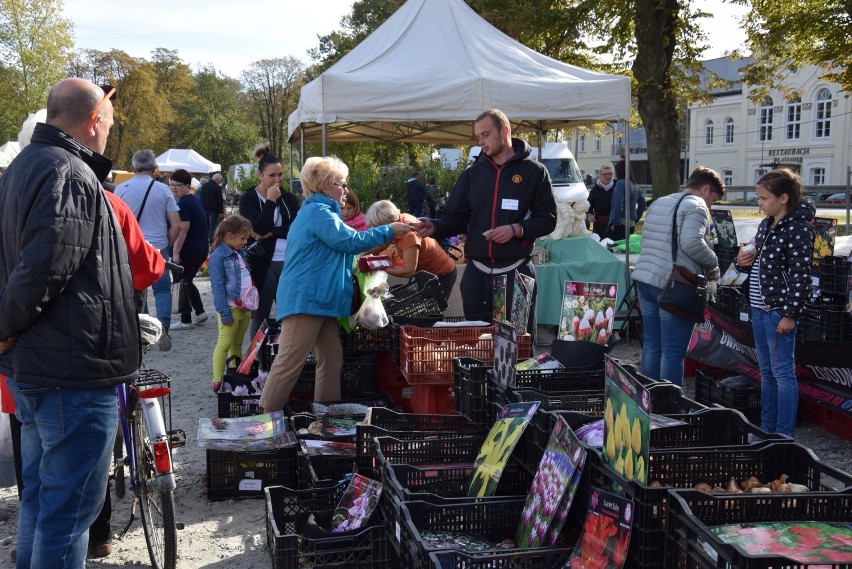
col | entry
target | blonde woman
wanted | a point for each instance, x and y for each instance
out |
(410, 252)
(316, 285)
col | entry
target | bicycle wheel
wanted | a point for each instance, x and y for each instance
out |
(157, 506)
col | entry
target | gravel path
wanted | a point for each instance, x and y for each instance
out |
(231, 534)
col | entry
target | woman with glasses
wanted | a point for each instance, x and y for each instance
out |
(600, 201)
(316, 286)
(271, 212)
(189, 249)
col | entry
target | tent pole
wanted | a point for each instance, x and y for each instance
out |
(301, 146)
(291, 167)
(324, 139)
(627, 275)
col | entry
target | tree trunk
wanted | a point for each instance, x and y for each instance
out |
(655, 39)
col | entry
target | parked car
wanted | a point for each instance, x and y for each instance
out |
(836, 199)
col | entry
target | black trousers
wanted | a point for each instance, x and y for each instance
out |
(190, 298)
(477, 292)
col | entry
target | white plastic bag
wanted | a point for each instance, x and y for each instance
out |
(7, 460)
(372, 315)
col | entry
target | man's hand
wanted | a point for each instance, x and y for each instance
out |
(6, 345)
(423, 227)
(502, 234)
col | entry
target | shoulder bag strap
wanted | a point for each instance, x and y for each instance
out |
(145, 199)
(674, 229)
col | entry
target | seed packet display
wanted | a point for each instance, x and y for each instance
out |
(314, 447)
(553, 488)
(521, 300)
(606, 533)
(806, 543)
(498, 446)
(587, 312)
(540, 361)
(825, 233)
(724, 231)
(254, 347)
(505, 353)
(627, 423)
(357, 504)
(252, 433)
(499, 283)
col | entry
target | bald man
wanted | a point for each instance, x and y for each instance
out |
(68, 326)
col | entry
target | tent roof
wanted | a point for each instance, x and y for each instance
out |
(433, 66)
(186, 158)
(8, 152)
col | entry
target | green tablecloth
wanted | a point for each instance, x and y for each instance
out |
(573, 259)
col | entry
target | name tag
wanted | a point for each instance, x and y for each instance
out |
(510, 204)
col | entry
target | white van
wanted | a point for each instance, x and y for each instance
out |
(567, 181)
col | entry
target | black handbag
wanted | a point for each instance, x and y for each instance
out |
(685, 292)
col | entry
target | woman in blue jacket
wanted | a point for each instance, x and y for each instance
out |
(316, 286)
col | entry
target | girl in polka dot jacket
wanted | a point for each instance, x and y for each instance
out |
(779, 285)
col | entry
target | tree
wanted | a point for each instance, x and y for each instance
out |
(214, 122)
(272, 87)
(784, 36)
(35, 40)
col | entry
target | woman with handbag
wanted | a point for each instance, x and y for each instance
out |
(688, 213)
(271, 212)
(316, 285)
(779, 266)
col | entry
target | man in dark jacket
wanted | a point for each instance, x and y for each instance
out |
(214, 204)
(68, 331)
(416, 192)
(503, 202)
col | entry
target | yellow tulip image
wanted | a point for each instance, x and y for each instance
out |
(636, 441)
(619, 465)
(628, 464)
(608, 416)
(610, 446)
(640, 470)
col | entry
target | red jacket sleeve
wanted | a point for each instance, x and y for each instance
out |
(146, 263)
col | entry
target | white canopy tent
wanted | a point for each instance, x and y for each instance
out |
(187, 159)
(432, 67)
(8, 152)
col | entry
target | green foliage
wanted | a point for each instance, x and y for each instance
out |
(35, 40)
(272, 89)
(784, 36)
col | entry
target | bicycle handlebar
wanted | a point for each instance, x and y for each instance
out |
(174, 268)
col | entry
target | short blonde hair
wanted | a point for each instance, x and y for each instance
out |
(321, 172)
(381, 213)
(607, 166)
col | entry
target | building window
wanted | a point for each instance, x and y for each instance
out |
(817, 176)
(758, 173)
(823, 113)
(729, 130)
(764, 121)
(728, 177)
(794, 118)
(597, 144)
(581, 143)
(708, 132)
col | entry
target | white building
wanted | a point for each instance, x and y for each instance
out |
(810, 133)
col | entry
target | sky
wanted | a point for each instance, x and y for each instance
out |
(231, 35)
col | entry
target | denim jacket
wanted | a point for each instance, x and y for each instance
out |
(225, 279)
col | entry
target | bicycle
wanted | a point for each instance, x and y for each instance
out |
(147, 451)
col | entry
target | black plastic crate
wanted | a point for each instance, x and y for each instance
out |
(421, 296)
(364, 340)
(493, 520)
(689, 543)
(826, 320)
(710, 391)
(470, 381)
(267, 350)
(322, 471)
(357, 376)
(684, 468)
(834, 275)
(231, 405)
(232, 474)
(388, 422)
(286, 513)
(430, 452)
(539, 558)
(296, 406)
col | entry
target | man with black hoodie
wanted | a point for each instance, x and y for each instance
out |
(503, 202)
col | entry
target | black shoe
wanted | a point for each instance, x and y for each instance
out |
(97, 551)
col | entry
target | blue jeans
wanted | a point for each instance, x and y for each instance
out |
(779, 390)
(66, 448)
(666, 337)
(163, 295)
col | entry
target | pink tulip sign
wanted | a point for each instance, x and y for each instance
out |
(587, 312)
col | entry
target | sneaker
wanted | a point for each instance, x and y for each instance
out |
(199, 318)
(182, 326)
(97, 551)
(165, 342)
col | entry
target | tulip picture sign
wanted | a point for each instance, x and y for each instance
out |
(627, 423)
(588, 310)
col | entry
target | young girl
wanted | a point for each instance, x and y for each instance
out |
(779, 285)
(229, 281)
(350, 211)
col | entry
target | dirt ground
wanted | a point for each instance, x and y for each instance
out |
(231, 534)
